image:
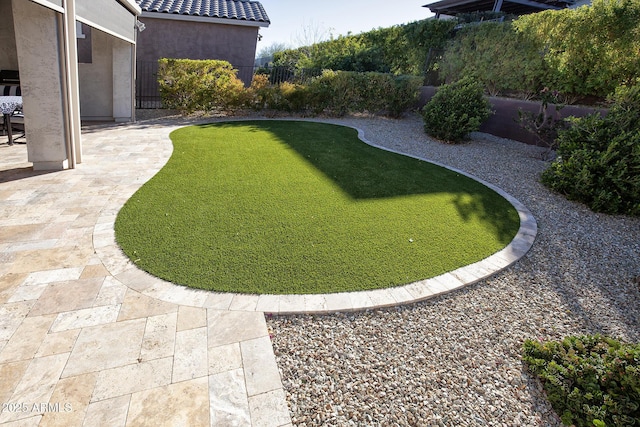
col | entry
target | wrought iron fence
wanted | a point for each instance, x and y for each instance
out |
(283, 74)
(147, 87)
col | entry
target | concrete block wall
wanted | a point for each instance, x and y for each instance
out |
(504, 121)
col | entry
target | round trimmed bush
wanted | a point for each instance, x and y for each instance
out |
(456, 110)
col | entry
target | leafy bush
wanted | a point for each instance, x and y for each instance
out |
(256, 96)
(598, 159)
(337, 93)
(456, 110)
(199, 85)
(589, 380)
(401, 49)
(402, 96)
(591, 50)
(587, 51)
(502, 60)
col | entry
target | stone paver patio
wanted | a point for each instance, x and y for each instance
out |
(79, 347)
(88, 339)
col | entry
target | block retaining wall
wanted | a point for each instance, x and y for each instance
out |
(504, 122)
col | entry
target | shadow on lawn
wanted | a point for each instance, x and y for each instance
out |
(365, 172)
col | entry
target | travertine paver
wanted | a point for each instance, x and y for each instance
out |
(85, 337)
(88, 339)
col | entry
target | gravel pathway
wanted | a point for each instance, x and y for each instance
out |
(455, 360)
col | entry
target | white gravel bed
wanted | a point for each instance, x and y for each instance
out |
(455, 360)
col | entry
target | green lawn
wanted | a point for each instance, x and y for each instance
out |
(300, 207)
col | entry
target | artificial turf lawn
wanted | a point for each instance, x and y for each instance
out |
(300, 207)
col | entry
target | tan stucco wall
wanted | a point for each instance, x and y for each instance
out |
(96, 79)
(8, 54)
(41, 81)
(164, 38)
(122, 80)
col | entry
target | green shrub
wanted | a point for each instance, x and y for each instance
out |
(502, 60)
(456, 110)
(199, 85)
(257, 95)
(587, 51)
(591, 50)
(402, 96)
(589, 380)
(337, 93)
(598, 159)
(401, 49)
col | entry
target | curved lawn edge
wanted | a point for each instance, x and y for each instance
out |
(121, 267)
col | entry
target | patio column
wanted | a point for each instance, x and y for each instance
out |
(123, 89)
(38, 33)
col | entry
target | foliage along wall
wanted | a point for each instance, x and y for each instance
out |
(588, 51)
(400, 49)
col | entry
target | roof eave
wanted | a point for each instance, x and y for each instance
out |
(454, 7)
(132, 6)
(207, 19)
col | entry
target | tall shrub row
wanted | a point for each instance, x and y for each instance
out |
(400, 49)
(339, 92)
(588, 51)
(501, 59)
(190, 85)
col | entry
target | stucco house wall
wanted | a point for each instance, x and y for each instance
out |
(39, 38)
(165, 38)
(8, 53)
(96, 79)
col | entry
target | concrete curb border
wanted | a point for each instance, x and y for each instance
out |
(127, 273)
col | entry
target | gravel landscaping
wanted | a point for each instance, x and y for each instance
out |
(455, 360)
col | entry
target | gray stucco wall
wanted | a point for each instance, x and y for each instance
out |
(96, 79)
(8, 53)
(164, 38)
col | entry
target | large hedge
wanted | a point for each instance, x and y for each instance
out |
(208, 85)
(494, 54)
(336, 93)
(587, 51)
(591, 50)
(400, 49)
(598, 159)
(199, 85)
(582, 52)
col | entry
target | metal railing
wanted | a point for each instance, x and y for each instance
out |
(281, 74)
(147, 87)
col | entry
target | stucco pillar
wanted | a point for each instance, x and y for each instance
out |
(123, 89)
(37, 32)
